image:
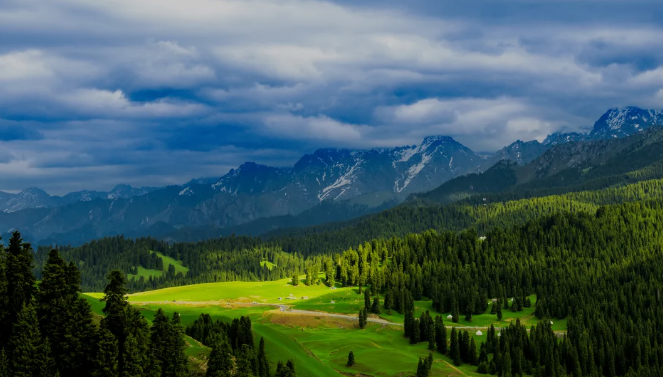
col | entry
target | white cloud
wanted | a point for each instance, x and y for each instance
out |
(115, 104)
(313, 73)
(22, 65)
(311, 128)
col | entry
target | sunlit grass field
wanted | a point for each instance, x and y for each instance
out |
(318, 345)
(167, 261)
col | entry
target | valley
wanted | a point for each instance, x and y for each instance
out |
(315, 333)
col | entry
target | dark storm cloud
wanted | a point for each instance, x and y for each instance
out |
(15, 132)
(157, 92)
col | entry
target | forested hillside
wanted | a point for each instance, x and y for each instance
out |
(48, 330)
(602, 272)
(239, 258)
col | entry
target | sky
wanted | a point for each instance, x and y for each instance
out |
(157, 92)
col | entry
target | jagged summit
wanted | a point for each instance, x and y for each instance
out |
(622, 122)
(344, 174)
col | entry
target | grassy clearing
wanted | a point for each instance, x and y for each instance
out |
(94, 301)
(263, 292)
(269, 265)
(318, 345)
(167, 261)
(348, 301)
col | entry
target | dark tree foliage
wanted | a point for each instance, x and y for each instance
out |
(351, 359)
(53, 334)
(217, 260)
(363, 317)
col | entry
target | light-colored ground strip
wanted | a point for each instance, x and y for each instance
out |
(286, 309)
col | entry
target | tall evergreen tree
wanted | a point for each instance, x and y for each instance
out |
(107, 355)
(351, 359)
(30, 352)
(220, 360)
(115, 311)
(176, 347)
(160, 341)
(362, 318)
(454, 348)
(472, 358)
(415, 337)
(133, 362)
(65, 319)
(290, 365)
(375, 308)
(455, 313)
(367, 300)
(440, 335)
(263, 363)
(19, 284)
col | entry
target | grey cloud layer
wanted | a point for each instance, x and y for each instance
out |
(158, 92)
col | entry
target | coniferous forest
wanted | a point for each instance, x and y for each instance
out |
(48, 330)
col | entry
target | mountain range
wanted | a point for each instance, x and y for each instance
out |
(327, 185)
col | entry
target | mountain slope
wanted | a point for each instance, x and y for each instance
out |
(359, 182)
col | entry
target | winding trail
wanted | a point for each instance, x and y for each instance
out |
(286, 309)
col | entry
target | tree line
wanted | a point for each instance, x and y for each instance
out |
(47, 329)
(603, 272)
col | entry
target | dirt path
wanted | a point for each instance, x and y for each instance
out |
(343, 316)
(286, 309)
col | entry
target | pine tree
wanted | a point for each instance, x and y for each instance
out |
(19, 285)
(351, 359)
(470, 309)
(295, 280)
(362, 318)
(263, 363)
(107, 355)
(455, 347)
(367, 300)
(415, 337)
(176, 347)
(220, 360)
(431, 342)
(472, 358)
(160, 339)
(505, 363)
(30, 353)
(408, 323)
(133, 362)
(455, 313)
(115, 310)
(290, 366)
(244, 359)
(440, 335)
(65, 319)
(483, 354)
(4, 364)
(375, 308)
(464, 345)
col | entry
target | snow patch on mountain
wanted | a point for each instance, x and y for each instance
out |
(413, 171)
(344, 180)
(187, 191)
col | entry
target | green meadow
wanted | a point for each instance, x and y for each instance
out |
(263, 292)
(318, 345)
(167, 261)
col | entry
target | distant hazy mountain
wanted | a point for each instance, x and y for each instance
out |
(358, 181)
(256, 197)
(34, 197)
